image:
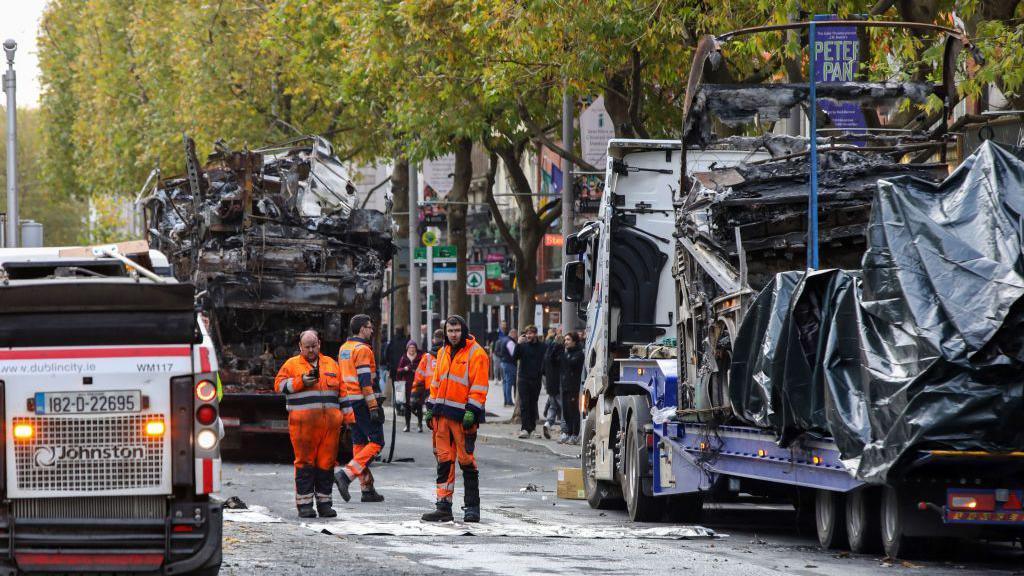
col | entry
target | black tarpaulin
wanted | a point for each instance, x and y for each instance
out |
(925, 350)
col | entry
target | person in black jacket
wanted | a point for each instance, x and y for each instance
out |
(529, 354)
(552, 376)
(571, 367)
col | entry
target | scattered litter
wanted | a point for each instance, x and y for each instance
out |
(842, 555)
(235, 503)
(530, 488)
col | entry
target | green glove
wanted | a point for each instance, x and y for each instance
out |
(428, 415)
(468, 420)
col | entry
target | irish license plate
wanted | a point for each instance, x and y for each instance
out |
(100, 402)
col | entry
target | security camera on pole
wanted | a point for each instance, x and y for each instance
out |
(10, 46)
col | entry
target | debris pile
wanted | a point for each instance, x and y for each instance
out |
(275, 243)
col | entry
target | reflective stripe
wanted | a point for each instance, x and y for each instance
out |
(353, 379)
(478, 388)
(473, 402)
(286, 386)
(363, 370)
(464, 380)
(303, 499)
(316, 406)
(313, 394)
(452, 403)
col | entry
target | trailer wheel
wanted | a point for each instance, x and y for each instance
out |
(828, 519)
(894, 540)
(641, 508)
(862, 521)
(601, 495)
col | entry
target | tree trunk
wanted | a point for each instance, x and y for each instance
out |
(400, 199)
(457, 300)
(616, 102)
(526, 277)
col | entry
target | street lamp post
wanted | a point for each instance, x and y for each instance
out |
(414, 274)
(568, 310)
(10, 46)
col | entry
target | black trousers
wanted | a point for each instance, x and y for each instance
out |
(529, 394)
(571, 411)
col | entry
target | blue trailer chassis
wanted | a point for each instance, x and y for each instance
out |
(688, 457)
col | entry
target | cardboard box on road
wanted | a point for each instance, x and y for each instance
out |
(570, 484)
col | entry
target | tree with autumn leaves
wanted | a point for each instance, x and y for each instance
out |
(406, 80)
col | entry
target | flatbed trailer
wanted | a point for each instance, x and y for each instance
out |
(943, 494)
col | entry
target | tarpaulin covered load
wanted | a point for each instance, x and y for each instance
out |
(921, 349)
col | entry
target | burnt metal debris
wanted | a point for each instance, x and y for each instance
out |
(275, 242)
(743, 231)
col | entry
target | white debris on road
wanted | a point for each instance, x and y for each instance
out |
(362, 527)
(254, 515)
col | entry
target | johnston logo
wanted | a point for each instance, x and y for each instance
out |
(51, 456)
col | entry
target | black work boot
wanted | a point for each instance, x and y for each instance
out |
(342, 481)
(443, 513)
(306, 511)
(471, 514)
(371, 495)
(325, 510)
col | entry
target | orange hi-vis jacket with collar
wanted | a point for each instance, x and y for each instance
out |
(459, 383)
(358, 372)
(323, 395)
(423, 372)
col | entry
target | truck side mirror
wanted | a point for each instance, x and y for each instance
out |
(573, 244)
(572, 281)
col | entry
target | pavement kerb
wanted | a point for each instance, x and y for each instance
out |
(523, 443)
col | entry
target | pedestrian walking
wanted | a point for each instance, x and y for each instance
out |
(529, 357)
(424, 372)
(505, 350)
(571, 368)
(406, 376)
(392, 355)
(455, 410)
(311, 383)
(363, 411)
(552, 378)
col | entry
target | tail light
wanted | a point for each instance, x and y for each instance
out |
(206, 414)
(206, 391)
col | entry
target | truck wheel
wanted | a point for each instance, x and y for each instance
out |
(686, 508)
(641, 508)
(828, 519)
(601, 495)
(894, 540)
(862, 522)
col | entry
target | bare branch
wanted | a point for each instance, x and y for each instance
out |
(538, 133)
(499, 220)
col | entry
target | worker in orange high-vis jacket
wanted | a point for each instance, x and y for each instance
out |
(311, 383)
(458, 394)
(421, 379)
(362, 397)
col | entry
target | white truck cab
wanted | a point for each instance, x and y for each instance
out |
(624, 286)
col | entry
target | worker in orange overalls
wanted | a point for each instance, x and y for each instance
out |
(361, 401)
(421, 380)
(311, 383)
(458, 394)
